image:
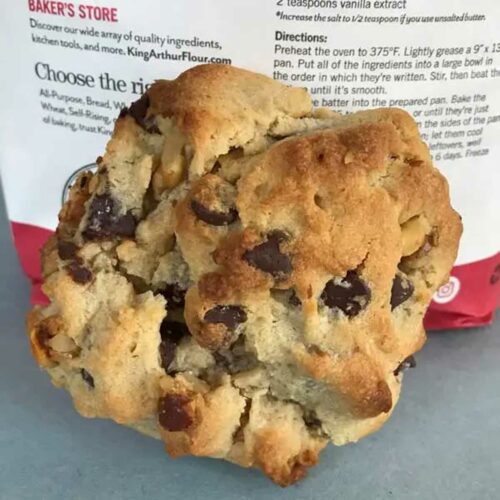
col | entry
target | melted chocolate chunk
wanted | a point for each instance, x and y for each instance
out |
(351, 295)
(402, 290)
(409, 362)
(174, 295)
(173, 414)
(212, 217)
(87, 377)
(103, 222)
(125, 225)
(79, 274)
(173, 330)
(171, 333)
(138, 111)
(230, 316)
(66, 250)
(100, 218)
(268, 257)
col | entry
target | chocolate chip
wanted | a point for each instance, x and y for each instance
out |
(409, 362)
(171, 333)
(79, 274)
(172, 412)
(173, 330)
(138, 111)
(104, 223)
(66, 250)
(268, 257)
(174, 295)
(402, 290)
(124, 225)
(231, 316)
(100, 216)
(213, 217)
(87, 377)
(350, 294)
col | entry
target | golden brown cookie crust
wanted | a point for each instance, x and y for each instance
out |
(244, 276)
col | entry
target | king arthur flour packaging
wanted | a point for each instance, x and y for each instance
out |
(68, 68)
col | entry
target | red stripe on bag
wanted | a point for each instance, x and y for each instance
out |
(29, 241)
(468, 299)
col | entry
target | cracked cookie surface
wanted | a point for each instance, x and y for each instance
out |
(245, 276)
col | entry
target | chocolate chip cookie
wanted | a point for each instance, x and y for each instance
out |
(244, 276)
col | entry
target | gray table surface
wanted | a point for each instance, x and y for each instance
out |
(443, 441)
